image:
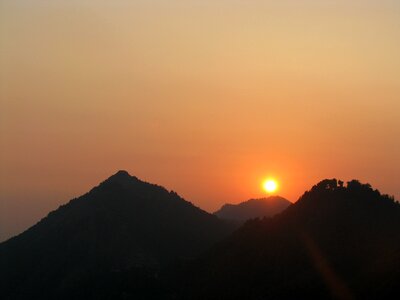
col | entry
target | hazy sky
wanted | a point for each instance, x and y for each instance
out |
(203, 97)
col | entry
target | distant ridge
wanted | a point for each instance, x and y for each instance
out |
(253, 208)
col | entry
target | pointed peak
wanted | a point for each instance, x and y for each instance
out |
(122, 173)
(121, 176)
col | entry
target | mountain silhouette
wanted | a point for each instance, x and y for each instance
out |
(122, 225)
(253, 208)
(128, 239)
(335, 242)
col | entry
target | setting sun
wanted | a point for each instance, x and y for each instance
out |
(270, 185)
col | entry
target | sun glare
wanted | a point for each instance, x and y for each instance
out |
(270, 185)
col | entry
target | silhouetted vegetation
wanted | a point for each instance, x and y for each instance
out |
(335, 242)
(127, 239)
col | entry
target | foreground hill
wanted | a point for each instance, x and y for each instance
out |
(336, 241)
(122, 225)
(253, 208)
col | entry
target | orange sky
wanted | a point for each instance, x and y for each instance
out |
(203, 97)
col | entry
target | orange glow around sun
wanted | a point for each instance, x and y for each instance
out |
(270, 185)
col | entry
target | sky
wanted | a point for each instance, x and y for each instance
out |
(206, 98)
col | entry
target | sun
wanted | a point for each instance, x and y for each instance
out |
(270, 185)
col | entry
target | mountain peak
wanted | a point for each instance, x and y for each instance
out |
(122, 173)
(121, 224)
(121, 176)
(253, 208)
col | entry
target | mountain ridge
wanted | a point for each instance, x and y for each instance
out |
(253, 208)
(329, 244)
(128, 239)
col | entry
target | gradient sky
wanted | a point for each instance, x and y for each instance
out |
(203, 97)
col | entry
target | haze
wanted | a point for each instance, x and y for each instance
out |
(206, 98)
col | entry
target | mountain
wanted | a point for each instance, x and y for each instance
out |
(128, 239)
(336, 242)
(123, 226)
(253, 208)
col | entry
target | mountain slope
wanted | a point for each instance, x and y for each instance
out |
(122, 224)
(340, 242)
(253, 208)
